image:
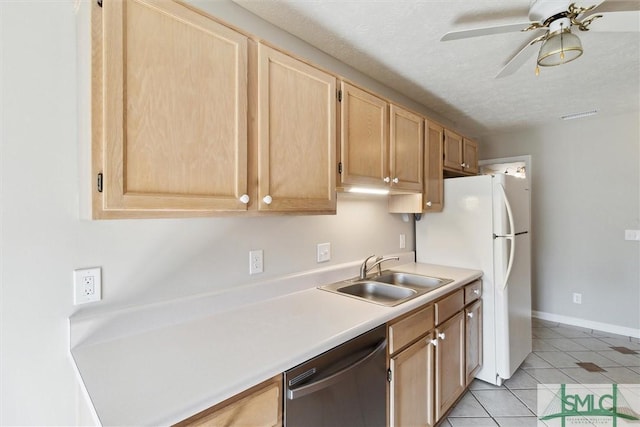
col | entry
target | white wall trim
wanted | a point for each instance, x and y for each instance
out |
(588, 324)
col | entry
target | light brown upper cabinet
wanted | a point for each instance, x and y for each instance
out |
(170, 123)
(470, 156)
(296, 135)
(169, 120)
(406, 148)
(460, 154)
(365, 138)
(382, 143)
(452, 148)
(433, 178)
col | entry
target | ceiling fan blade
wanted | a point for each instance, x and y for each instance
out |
(613, 6)
(520, 58)
(617, 22)
(476, 32)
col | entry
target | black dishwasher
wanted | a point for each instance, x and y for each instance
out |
(343, 387)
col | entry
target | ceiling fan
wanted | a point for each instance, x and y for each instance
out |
(551, 22)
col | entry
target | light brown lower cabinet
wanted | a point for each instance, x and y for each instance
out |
(411, 385)
(258, 406)
(451, 378)
(473, 339)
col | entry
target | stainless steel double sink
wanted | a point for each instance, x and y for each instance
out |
(388, 288)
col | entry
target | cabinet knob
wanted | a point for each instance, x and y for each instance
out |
(387, 179)
(428, 203)
(244, 198)
(476, 291)
(464, 165)
(396, 180)
(441, 335)
(433, 342)
(470, 315)
(267, 199)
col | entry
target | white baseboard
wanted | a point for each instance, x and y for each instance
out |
(588, 324)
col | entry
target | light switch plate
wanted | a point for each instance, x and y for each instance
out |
(323, 252)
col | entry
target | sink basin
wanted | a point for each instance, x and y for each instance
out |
(410, 280)
(376, 292)
(389, 288)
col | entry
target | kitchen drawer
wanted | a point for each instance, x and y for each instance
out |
(406, 330)
(448, 306)
(472, 292)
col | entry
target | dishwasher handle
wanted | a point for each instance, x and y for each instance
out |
(295, 393)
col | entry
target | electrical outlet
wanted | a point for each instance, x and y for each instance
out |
(631, 234)
(403, 241)
(256, 262)
(87, 285)
(323, 252)
(577, 298)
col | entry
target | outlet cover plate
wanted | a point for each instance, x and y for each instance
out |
(256, 261)
(87, 285)
(631, 234)
(323, 252)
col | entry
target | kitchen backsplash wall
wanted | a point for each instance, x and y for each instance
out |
(585, 194)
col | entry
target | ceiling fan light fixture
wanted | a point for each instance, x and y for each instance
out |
(559, 48)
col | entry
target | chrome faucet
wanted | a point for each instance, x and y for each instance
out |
(364, 270)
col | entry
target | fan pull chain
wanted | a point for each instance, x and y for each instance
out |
(561, 42)
(537, 70)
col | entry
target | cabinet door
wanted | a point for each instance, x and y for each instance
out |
(470, 156)
(172, 134)
(406, 144)
(450, 367)
(433, 177)
(364, 138)
(259, 406)
(452, 147)
(411, 387)
(296, 136)
(473, 334)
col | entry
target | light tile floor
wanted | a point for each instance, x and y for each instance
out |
(557, 349)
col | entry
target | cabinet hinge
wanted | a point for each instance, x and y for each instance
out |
(99, 182)
(100, 3)
(339, 96)
(389, 375)
(340, 167)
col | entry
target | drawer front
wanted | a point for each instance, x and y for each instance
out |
(410, 328)
(448, 306)
(472, 292)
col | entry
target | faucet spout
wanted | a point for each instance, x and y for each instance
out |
(364, 270)
(363, 267)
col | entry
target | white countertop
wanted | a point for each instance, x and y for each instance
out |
(161, 376)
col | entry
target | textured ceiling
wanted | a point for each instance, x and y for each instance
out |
(397, 42)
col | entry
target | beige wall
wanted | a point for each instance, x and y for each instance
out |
(42, 241)
(586, 192)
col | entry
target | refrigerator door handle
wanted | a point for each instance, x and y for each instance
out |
(508, 236)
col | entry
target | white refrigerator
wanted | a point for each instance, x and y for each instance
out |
(485, 225)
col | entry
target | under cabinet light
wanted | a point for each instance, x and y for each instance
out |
(365, 190)
(579, 115)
